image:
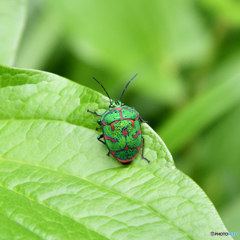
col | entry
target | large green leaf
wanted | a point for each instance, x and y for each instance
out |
(56, 181)
(12, 19)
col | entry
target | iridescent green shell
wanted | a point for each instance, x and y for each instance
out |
(122, 132)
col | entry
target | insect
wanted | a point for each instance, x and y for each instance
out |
(121, 129)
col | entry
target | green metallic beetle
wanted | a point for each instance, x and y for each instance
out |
(121, 129)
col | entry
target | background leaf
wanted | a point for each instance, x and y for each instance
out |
(207, 107)
(52, 164)
(225, 10)
(128, 36)
(12, 19)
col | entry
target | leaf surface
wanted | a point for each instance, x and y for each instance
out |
(57, 182)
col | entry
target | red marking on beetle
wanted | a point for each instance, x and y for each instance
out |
(121, 114)
(133, 121)
(125, 132)
(126, 147)
(133, 124)
(120, 109)
(129, 159)
(136, 135)
(111, 139)
(111, 124)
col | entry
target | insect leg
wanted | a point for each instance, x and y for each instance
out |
(99, 138)
(99, 122)
(143, 150)
(143, 120)
(94, 113)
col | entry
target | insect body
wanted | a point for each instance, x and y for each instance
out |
(121, 130)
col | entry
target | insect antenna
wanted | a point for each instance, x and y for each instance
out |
(103, 89)
(127, 85)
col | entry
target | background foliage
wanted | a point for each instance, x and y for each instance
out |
(187, 55)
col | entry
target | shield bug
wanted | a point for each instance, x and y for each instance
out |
(121, 127)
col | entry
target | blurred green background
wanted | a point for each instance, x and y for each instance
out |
(187, 54)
